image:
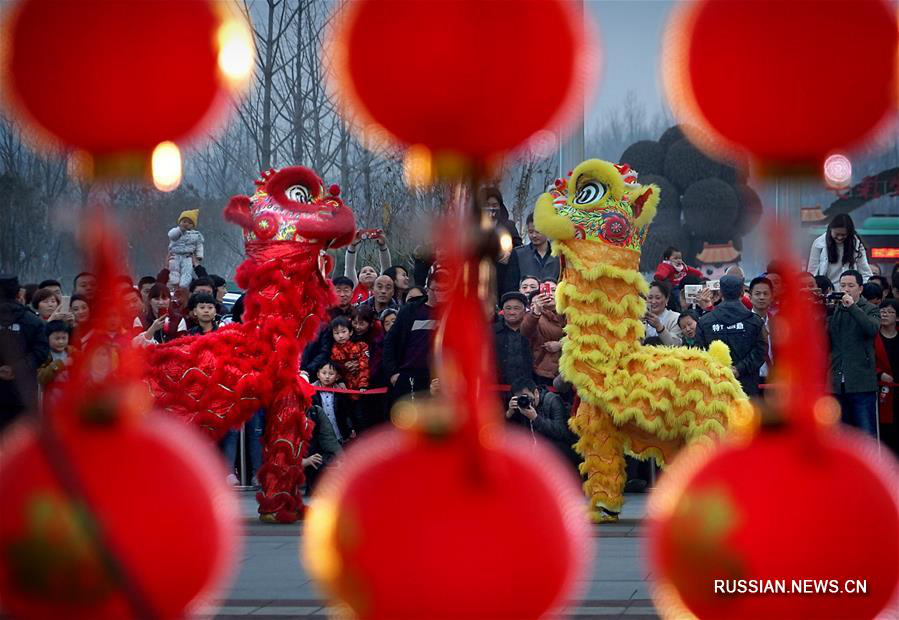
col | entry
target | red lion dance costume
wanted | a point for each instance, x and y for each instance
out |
(218, 380)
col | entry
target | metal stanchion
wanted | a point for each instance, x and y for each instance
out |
(243, 460)
(877, 421)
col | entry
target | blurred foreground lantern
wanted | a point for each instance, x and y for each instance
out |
(155, 490)
(798, 501)
(782, 80)
(116, 79)
(450, 515)
(777, 509)
(109, 510)
(467, 80)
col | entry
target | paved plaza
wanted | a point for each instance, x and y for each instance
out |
(271, 583)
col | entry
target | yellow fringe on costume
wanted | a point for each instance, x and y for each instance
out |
(641, 400)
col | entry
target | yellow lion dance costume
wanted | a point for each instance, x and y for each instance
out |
(645, 401)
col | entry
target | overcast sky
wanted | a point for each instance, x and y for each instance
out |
(631, 38)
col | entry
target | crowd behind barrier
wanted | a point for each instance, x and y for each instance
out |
(376, 348)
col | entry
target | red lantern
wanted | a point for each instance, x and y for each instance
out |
(156, 490)
(466, 78)
(116, 79)
(786, 81)
(774, 514)
(506, 542)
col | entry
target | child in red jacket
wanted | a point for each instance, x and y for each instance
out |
(673, 269)
(351, 357)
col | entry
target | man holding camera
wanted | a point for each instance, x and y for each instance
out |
(852, 327)
(542, 412)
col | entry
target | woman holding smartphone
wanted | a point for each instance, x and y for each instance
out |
(660, 321)
(159, 300)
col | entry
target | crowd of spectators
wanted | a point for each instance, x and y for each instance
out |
(380, 333)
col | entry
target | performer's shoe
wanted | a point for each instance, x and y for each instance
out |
(268, 517)
(601, 515)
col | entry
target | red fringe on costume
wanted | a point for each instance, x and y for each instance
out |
(218, 380)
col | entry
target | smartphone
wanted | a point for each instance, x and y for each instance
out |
(163, 311)
(714, 285)
(64, 305)
(691, 292)
(546, 288)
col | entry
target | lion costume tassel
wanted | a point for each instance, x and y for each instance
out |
(641, 400)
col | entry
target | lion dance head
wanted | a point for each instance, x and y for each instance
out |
(598, 202)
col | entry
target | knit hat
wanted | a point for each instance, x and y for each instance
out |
(731, 287)
(193, 215)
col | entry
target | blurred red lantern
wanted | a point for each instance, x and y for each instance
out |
(116, 79)
(156, 491)
(777, 510)
(508, 541)
(466, 79)
(786, 81)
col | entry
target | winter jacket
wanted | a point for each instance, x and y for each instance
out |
(818, 265)
(744, 333)
(548, 327)
(53, 367)
(186, 242)
(24, 347)
(668, 272)
(514, 360)
(851, 331)
(415, 316)
(530, 263)
(671, 335)
(370, 302)
(343, 410)
(552, 423)
(350, 351)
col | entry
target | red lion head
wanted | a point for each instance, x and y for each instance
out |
(291, 205)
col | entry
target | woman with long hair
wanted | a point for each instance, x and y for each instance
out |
(838, 250)
(156, 319)
(400, 277)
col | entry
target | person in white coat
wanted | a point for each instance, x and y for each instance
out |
(838, 250)
(659, 320)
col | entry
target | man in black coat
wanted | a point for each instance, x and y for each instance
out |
(514, 361)
(23, 348)
(535, 258)
(740, 329)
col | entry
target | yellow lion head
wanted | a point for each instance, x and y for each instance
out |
(599, 201)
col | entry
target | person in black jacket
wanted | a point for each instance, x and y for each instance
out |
(740, 329)
(514, 361)
(544, 413)
(23, 348)
(408, 345)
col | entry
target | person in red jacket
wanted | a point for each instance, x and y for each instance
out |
(673, 268)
